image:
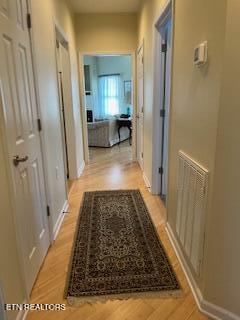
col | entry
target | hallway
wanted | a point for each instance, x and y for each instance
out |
(179, 98)
(111, 169)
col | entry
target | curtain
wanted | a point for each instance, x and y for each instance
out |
(109, 96)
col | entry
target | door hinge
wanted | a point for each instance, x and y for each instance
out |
(162, 113)
(160, 170)
(39, 124)
(142, 60)
(164, 47)
(29, 21)
(142, 154)
(48, 211)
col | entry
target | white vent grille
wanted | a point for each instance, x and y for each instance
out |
(191, 207)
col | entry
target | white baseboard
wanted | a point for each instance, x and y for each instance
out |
(22, 315)
(25, 315)
(80, 169)
(145, 178)
(217, 312)
(205, 307)
(60, 220)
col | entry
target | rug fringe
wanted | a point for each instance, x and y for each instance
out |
(79, 301)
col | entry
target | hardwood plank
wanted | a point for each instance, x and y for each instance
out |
(109, 169)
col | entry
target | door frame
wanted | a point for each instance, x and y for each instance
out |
(166, 11)
(62, 114)
(83, 99)
(42, 138)
(58, 33)
(70, 125)
(9, 168)
(53, 229)
(137, 137)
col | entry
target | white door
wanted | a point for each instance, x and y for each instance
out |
(166, 70)
(140, 104)
(18, 101)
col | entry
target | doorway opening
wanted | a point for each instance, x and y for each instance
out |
(166, 46)
(162, 97)
(109, 103)
(66, 105)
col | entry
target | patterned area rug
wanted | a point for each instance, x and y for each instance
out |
(117, 253)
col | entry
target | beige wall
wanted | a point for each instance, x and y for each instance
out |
(10, 275)
(44, 53)
(106, 32)
(195, 92)
(223, 254)
(44, 14)
(65, 19)
(205, 121)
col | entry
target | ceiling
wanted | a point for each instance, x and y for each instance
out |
(105, 6)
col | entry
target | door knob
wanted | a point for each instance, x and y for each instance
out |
(17, 160)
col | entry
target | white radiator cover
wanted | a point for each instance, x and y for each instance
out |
(191, 209)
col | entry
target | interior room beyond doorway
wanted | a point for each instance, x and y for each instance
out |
(109, 103)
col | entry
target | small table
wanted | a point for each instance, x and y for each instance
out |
(122, 122)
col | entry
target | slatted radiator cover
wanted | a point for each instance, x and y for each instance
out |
(191, 208)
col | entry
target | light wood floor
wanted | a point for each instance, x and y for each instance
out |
(109, 169)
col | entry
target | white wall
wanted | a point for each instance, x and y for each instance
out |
(92, 100)
(117, 65)
(103, 65)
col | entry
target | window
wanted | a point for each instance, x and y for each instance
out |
(109, 92)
